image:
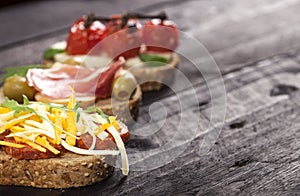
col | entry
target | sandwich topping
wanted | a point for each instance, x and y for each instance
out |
(95, 39)
(54, 82)
(35, 130)
(50, 84)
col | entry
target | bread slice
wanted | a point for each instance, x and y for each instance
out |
(68, 170)
(155, 77)
(126, 111)
(65, 171)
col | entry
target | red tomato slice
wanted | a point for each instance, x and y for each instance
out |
(160, 36)
(82, 40)
(125, 41)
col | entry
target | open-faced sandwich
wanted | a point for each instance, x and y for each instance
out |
(112, 89)
(148, 48)
(50, 145)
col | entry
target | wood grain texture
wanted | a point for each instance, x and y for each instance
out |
(250, 157)
(257, 151)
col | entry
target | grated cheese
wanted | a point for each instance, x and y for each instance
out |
(112, 130)
(41, 125)
(4, 143)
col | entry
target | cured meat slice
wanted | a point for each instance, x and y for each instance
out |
(85, 140)
(55, 82)
(27, 152)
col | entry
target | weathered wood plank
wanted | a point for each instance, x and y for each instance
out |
(239, 32)
(241, 159)
(251, 95)
(237, 85)
(39, 18)
(251, 158)
(258, 145)
(258, 150)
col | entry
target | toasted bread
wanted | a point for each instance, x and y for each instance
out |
(65, 171)
(155, 77)
(68, 170)
(121, 108)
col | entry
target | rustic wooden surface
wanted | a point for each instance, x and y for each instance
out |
(256, 45)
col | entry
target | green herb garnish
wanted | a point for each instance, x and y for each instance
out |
(77, 105)
(17, 108)
(25, 100)
(53, 105)
(51, 52)
(153, 60)
(18, 70)
(14, 105)
(99, 111)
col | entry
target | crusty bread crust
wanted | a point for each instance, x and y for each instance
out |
(68, 170)
(126, 111)
(48, 62)
(156, 77)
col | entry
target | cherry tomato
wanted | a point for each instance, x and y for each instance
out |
(124, 41)
(160, 36)
(82, 40)
(114, 25)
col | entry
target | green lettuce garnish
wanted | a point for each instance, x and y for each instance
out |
(19, 70)
(153, 60)
(51, 52)
(16, 107)
(99, 111)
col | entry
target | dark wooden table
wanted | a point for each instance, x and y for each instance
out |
(256, 47)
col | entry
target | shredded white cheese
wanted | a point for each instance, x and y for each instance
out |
(120, 144)
(88, 152)
(42, 126)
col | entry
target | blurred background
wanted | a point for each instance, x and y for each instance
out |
(234, 31)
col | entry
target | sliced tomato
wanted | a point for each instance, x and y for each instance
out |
(160, 36)
(123, 41)
(82, 40)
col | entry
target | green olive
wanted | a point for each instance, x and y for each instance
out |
(124, 85)
(15, 87)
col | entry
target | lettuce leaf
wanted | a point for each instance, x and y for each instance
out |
(51, 52)
(153, 60)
